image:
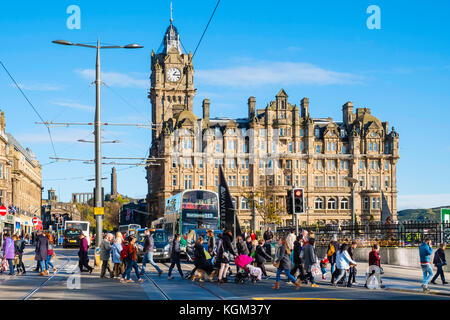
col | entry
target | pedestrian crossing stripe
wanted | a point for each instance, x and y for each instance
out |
(293, 298)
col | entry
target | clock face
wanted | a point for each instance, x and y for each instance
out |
(173, 74)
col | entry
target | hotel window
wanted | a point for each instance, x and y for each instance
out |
(231, 163)
(187, 144)
(331, 164)
(375, 203)
(375, 146)
(317, 149)
(188, 162)
(282, 132)
(216, 181)
(274, 147)
(296, 164)
(296, 181)
(303, 181)
(1, 170)
(318, 181)
(246, 145)
(303, 164)
(361, 181)
(288, 180)
(278, 180)
(370, 146)
(269, 164)
(232, 181)
(301, 146)
(201, 180)
(261, 164)
(200, 164)
(386, 165)
(344, 182)
(187, 182)
(244, 204)
(288, 164)
(344, 164)
(302, 132)
(218, 132)
(343, 133)
(217, 163)
(244, 181)
(318, 164)
(344, 204)
(331, 181)
(374, 182)
(174, 180)
(270, 181)
(218, 148)
(344, 149)
(245, 164)
(366, 203)
(290, 147)
(280, 164)
(386, 182)
(374, 165)
(262, 147)
(174, 163)
(318, 203)
(361, 165)
(331, 146)
(317, 132)
(386, 148)
(331, 204)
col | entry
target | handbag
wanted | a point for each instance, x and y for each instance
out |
(276, 264)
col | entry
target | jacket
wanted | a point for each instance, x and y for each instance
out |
(297, 251)
(148, 244)
(9, 248)
(19, 246)
(343, 260)
(176, 251)
(105, 250)
(116, 249)
(83, 246)
(290, 239)
(310, 256)
(439, 257)
(249, 246)
(200, 258)
(283, 258)
(132, 252)
(374, 258)
(242, 248)
(41, 248)
(261, 255)
(425, 252)
(224, 246)
(332, 258)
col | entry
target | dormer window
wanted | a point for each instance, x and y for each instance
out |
(317, 132)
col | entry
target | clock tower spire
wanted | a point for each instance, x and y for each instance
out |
(172, 80)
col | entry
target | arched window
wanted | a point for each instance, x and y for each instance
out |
(318, 203)
(344, 204)
(331, 205)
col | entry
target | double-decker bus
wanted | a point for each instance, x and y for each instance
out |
(188, 210)
(129, 229)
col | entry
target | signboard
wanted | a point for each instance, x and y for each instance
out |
(18, 225)
(445, 215)
(3, 211)
(35, 220)
(99, 211)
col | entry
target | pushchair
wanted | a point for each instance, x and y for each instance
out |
(246, 270)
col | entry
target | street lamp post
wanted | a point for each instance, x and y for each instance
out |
(352, 182)
(98, 129)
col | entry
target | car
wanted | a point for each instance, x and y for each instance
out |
(71, 238)
(161, 249)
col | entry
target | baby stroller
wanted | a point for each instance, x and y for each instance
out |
(246, 270)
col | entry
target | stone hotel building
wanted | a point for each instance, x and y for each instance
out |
(279, 146)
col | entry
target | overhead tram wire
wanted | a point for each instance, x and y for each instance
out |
(206, 28)
(32, 106)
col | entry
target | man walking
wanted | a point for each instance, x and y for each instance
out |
(105, 254)
(148, 253)
(83, 254)
(268, 238)
(352, 273)
(41, 251)
(310, 260)
(290, 239)
(175, 257)
(425, 251)
(439, 262)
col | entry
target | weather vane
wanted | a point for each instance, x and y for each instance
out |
(171, 13)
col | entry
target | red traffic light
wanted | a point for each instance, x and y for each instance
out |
(298, 193)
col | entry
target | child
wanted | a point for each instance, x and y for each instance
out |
(323, 266)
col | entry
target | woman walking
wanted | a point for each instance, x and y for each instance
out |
(9, 252)
(19, 245)
(283, 263)
(131, 258)
(201, 263)
(50, 253)
(224, 250)
(175, 257)
(343, 262)
(116, 249)
(41, 252)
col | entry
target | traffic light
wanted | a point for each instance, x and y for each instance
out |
(289, 204)
(298, 201)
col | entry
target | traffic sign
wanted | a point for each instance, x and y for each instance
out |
(35, 220)
(3, 211)
(445, 215)
(99, 211)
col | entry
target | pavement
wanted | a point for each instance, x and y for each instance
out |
(68, 284)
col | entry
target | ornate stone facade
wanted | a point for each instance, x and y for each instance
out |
(280, 146)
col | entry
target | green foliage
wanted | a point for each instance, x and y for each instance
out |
(421, 214)
(111, 217)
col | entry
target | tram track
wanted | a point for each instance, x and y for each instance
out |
(166, 297)
(37, 288)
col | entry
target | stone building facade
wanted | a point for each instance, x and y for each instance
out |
(276, 147)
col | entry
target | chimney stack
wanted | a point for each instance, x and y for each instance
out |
(113, 182)
(347, 113)
(205, 106)
(251, 108)
(304, 107)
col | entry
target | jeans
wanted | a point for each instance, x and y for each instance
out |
(148, 257)
(342, 273)
(172, 265)
(119, 268)
(223, 270)
(351, 276)
(287, 273)
(439, 272)
(106, 265)
(131, 265)
(11, 266)
(332, 267)
(48, 262)
(427, 273)
(42, 265)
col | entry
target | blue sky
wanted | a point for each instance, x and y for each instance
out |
(322, 50)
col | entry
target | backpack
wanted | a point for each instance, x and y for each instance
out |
(124, 253)
(331, 251)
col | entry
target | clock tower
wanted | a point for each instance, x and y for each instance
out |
(172, 81)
